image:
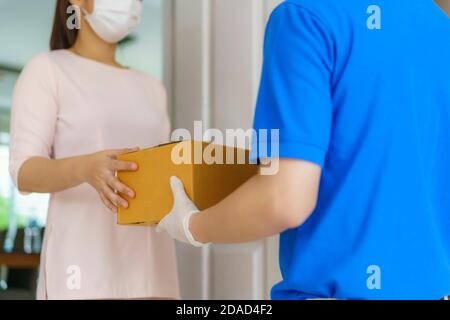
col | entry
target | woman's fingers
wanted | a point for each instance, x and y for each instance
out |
(100, 173)
(114, 197)
(117, 165)
(108, 203)
(118, 186)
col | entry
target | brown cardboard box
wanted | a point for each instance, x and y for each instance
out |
(205, 183)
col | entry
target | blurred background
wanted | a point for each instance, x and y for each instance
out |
(208, 53)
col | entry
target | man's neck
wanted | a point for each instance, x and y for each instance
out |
(445, 6)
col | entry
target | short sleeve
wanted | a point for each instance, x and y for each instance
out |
(33, 114)
(295, 90)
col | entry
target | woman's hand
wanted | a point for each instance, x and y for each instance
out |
(99, 170)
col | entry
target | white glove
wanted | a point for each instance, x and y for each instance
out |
(176, 223)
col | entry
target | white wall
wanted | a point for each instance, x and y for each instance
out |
(217, 62)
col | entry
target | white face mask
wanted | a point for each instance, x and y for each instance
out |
(113, 20)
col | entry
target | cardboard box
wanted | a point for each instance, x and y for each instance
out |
(202, 167)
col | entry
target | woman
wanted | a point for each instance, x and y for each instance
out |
(68, 106)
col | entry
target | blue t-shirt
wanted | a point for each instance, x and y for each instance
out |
(362, 88)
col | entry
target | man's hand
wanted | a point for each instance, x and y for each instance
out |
(176, 223)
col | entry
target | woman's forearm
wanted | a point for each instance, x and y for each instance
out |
(41, 175)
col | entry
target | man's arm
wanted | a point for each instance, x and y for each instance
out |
(262, 207)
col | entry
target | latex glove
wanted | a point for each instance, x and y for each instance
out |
(176, 223)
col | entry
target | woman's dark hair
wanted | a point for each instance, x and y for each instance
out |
(62, 36)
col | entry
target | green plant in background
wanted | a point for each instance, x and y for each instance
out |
(4, 212)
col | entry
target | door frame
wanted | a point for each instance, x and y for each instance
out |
(194, 34)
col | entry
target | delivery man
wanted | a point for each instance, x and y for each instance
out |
(360, 91)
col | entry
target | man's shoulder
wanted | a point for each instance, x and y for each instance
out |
(326, 9)
(338, 17)
(323, 4)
